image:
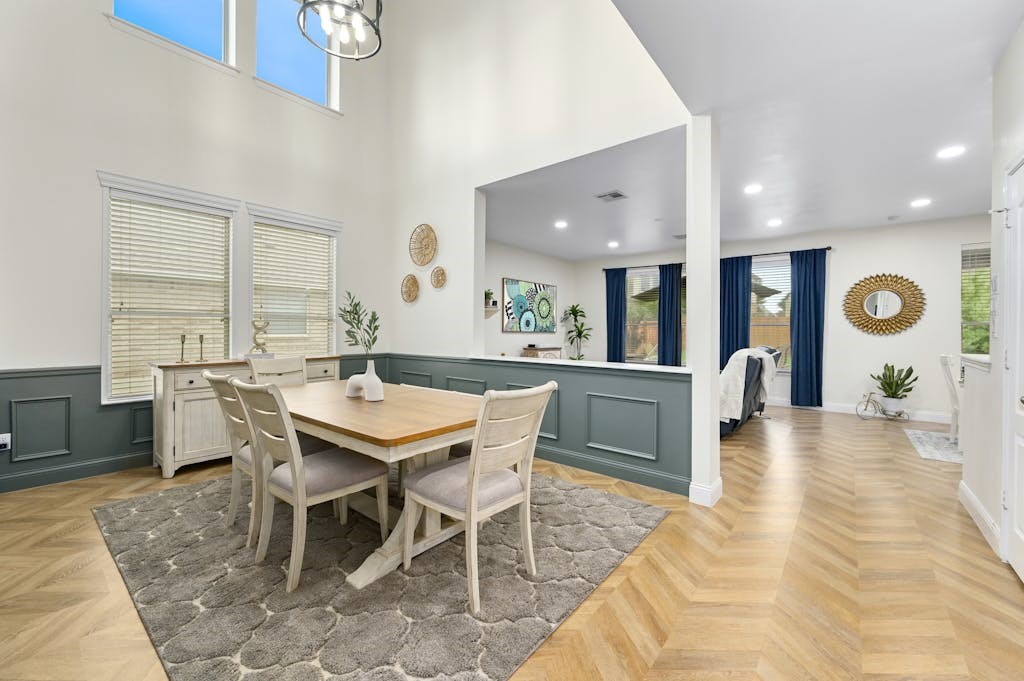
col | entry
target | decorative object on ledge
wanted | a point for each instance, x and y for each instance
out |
(542, 353)
(182, 360)
(884, 304)
(346, 29)
(578, 331)
(488, 297)
(259, 335)
(362, 330)
(438, 277)
(201, 347)
(410, 288)
(528, 307)
(423, 245)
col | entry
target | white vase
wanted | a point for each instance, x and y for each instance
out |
(354, 387)
(891, 404)
(373, 387)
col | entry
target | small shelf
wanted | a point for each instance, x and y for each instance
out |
(490, 310)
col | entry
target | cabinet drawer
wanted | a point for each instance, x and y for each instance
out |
(321, 371)
(193, 380)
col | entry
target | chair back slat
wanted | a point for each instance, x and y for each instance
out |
(280, 371)
(506, 434)
(234, 413)
(273, 433)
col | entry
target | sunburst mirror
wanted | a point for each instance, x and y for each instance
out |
(884, 304)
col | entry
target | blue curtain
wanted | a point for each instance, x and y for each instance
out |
(734, 297)
(615, 297)
(807, 326)
(670, 314)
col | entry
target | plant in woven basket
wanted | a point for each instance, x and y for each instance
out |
(895, 384)
(578, 332)
(363, 325)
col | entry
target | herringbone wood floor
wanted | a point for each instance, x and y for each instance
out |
(836, 553)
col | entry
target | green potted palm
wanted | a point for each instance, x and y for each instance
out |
(895, 386)
(578, 331)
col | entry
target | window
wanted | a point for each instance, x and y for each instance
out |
(770, 301)
(642, 294)
(293, 288)
(169, 274)
(196, 24)
(975, 297)
(286, 59)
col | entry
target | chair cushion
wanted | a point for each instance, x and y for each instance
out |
(445, 483)
(245, 456)
(309, 444)
(330, 470)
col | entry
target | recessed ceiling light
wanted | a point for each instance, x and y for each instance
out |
(920, 203)
(951, 152)
(775, 222)
(613, 244)
(754, 188)
(561, 224)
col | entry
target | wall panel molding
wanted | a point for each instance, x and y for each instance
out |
(141, 423)
(452, 383)
(552, 410)
(611, 424)
(34, 427)
(420, 378)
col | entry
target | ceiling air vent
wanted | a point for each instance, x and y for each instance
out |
(613, 195)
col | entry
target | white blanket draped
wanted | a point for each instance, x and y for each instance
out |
(733, 377)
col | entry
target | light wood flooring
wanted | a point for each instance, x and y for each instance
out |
(836, 553)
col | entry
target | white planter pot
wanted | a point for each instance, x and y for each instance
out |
(373, 387)
(891, 404)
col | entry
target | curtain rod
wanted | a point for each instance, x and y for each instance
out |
(756, 255)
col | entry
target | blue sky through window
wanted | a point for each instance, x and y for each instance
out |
(283, 56)
(196, 24)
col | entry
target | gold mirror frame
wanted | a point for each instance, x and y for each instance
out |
(909, 292)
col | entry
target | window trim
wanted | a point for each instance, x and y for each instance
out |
(113, 186)
(229, 43)
(282, 217)
(297, 98)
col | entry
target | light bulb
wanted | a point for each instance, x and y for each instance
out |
(325, 21)
(343, 34)
(358, 27)
(339, 11)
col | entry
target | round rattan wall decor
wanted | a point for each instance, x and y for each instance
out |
(410, 288)
(438, 277)
(423, 245)
(884, 304)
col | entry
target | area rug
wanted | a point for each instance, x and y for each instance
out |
(935, 446)
(214, 614)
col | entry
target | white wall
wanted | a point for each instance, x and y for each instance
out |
(490, 101)
(109, 100)
(927, 253)
(502, 260)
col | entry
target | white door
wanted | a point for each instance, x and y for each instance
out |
(1013, 279)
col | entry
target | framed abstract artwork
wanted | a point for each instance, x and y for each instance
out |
(528, 307)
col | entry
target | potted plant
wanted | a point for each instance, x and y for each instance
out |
(577, 332)
(488, 295)
(362, 331)
(895, 385)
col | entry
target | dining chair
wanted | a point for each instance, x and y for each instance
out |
(280, 371)
(241, 450)
(301, 481)
(476, 488)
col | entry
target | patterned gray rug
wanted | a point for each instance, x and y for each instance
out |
(214, 614)
(935, 446)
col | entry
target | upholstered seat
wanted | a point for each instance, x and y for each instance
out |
(310, 444)
(329, 470)
(245, 456)
(445, 484)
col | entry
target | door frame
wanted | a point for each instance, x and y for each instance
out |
(1008, 292)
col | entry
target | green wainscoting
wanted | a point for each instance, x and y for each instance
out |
(627, 423)
(60, 431)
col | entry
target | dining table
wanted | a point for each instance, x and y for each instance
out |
(411, 427)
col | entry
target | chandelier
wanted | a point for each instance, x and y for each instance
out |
(343, 29)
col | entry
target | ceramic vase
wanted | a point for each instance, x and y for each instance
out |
(892, 404)
(354, 387)
(373, 387)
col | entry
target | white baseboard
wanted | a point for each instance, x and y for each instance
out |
(706, 495)
(842, 408)
(989, 528)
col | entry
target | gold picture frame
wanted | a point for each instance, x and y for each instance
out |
(911, 304)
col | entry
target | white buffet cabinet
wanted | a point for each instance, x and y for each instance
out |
(188, 425)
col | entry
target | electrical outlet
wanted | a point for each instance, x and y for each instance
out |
(5, 442)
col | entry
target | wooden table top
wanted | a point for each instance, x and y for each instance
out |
(407, 414)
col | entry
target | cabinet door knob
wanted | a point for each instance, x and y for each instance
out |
(191, 381)
(326, 370)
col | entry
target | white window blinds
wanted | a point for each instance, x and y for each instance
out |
(975, 298)
(169, 275)
(770, 303)
(293, 288)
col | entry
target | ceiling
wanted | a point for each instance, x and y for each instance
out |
(650, 171)
(837, 108)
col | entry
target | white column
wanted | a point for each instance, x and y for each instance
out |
(702, 325)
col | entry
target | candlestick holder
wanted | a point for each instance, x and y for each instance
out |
(182, 360)
(200, 347)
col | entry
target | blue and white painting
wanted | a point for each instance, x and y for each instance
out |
(528, 307)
